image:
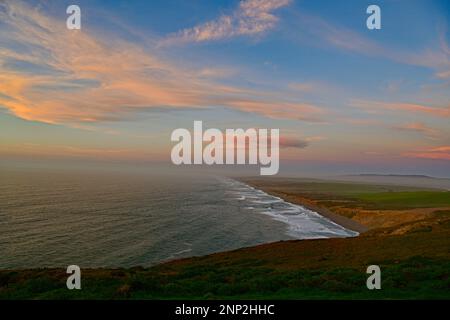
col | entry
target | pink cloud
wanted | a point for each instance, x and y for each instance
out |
(437, 153)
(418, 127)
(376, 106)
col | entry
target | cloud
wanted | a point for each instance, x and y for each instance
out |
(54, 75)
(376, 106)
(252, 17)
(359, 121)
(306, 87)
(418, 127)
(322, 32)
(217, 72)
(436, 153)
(440, 149)
(281, 110)
(292, 142)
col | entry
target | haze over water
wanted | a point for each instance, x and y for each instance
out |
(100, 219)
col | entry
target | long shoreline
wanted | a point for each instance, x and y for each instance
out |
(336, 218)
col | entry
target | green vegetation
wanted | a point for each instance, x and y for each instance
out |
(406, 200)
(414, 278)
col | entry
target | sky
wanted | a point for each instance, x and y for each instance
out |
(345, 98)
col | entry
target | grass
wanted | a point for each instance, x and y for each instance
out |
(418, 278)
(405, 200)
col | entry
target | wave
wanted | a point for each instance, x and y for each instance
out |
(301, 222)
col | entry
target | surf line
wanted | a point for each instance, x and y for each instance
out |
(240, 147)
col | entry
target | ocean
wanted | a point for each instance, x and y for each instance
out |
(104, 219)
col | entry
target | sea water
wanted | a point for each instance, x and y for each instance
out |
(93, 219)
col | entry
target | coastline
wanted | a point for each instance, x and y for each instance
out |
(325, 212)
(331, 268)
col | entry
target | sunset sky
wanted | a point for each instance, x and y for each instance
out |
(346, 99)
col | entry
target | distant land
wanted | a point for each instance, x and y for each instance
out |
(422, 181)
(395, 175)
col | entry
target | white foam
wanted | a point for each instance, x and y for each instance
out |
(301, 222)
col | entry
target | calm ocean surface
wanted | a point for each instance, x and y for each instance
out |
(120, 220)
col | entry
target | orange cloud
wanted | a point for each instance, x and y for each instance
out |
(418, 127)
(437, 153)
(360, 122)
(440, 149)
(376, 106)
(281, 110)
(71, 76)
